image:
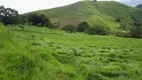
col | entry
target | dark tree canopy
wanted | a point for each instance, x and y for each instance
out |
(136, 32)
(8, 15)
(2, 12)
(82, 27)
(98, 30)
(38, 20)
(69, 28)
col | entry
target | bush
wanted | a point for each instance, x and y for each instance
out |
(123, 34)
(54, 26)
(38, 20)
(118, 20)
(82, 27)
(136, 32)
(98, 30)
(69, 28)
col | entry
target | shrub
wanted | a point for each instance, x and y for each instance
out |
(98, 30)
(125, 26)
(82, 27)
(136, 32)
(38, 20)
(69, 28)
(123, 34)
(118, 20)
(54, 26)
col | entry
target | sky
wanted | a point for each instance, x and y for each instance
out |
(24, 6)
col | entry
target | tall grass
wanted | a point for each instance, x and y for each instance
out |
(36, 53)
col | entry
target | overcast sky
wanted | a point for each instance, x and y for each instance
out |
(24, 6)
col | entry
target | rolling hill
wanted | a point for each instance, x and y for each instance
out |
(103, 13)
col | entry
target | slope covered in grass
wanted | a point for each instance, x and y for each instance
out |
(36, 53)
(103, 13)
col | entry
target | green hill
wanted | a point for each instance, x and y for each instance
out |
(103, 13)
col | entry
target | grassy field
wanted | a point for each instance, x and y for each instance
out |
(33, 53)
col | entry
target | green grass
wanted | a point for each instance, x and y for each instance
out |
(102, 13)
(36, 53)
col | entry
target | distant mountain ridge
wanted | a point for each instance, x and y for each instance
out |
(102, 13)
(139, 6)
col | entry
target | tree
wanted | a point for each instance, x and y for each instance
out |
(38, 20)
(69, 28)
(82, 27)
(136, 22)
(8, 15)
(136, 32)
(54, 25)
(98, 30)
(23, 19)
(2, 12)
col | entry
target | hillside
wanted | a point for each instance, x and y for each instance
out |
(103, 13)
(139, 6)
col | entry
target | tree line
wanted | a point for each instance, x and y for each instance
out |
(11, 16)
(8, 15)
